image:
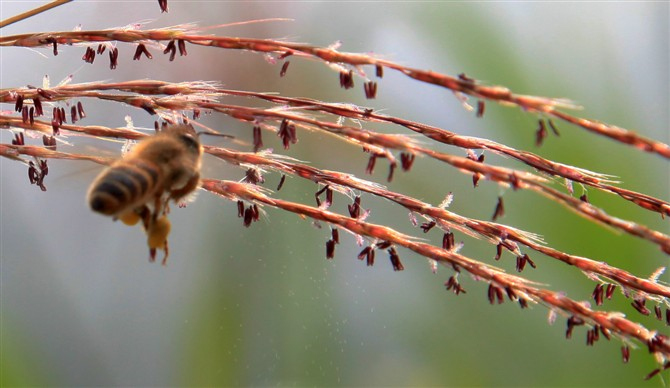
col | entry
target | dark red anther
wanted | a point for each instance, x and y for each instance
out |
(113, 59)
(240, 209)
(172, 49)
(572, 322)
(475, 179)
(448, 241)
(248, 217)
(80, 110)
(491, 293)
(89, 55)
(181, 45)
(364, 253)
(395, 260)
(523, 303)
(101, 49)
(258, 139)
(253, 176)
(531, 262)
(44, 168)
(625, 354)
(370, 258)
(347, 79)
(62, 116)
(652, 374)
(480, 108)
(469, 81)
(514, 181)
(284, 133)
(406, 160)
(329, 196)
(163, 4)
(18, 105)
(281, 182)
(317, 195)
(510, 293)
(541, 133)
(383, 245)
(49, 141)
(520, 263)
(355, 208)
(598, 294)
(18, 139)
(499, 295)
(392, 167)
(499, 210)
(24, 115)
(553, 127)
(584, 198)
(639, 305)
(667, 316)
(32, 173)
(196, 113)
(499, 249)
(658, 312)
(45, 94)
(427, 226)
(379, 71)
(31, 115)
(284, 67)
(370, 89)
(605, 332)
(589, 338)
(335, 235)
(610, 290)
(369, 169)
(38, 107)
(256, 214)
(285, 54)
(141, 49)
(55, 46)
(330, 249)
(73, 114)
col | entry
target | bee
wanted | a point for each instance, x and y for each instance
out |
(139, 186)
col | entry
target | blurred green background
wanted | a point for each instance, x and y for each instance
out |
(81, 305)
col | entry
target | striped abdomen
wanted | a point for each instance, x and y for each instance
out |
(124, 186)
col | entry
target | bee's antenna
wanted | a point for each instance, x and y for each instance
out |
(215, 134)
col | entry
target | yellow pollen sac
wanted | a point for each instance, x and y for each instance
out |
(130, 218)
(158, 232)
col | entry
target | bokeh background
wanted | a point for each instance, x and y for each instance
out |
(82, 306)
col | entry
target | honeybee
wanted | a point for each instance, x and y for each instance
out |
(139, 186)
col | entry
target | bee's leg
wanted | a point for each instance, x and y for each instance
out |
(157, 237)
(164, 262)
(191, 185)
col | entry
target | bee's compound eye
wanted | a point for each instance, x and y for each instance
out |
(189, 140)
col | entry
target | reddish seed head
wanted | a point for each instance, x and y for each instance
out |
(284, 67)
